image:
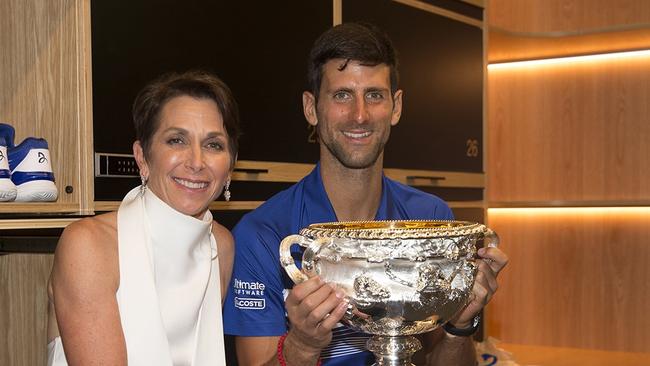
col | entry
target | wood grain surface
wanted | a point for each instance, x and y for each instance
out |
(545, 16)
(572, 132)
(46, 90)
(23, 308)
(576, 278)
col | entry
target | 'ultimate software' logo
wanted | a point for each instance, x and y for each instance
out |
(248, 288)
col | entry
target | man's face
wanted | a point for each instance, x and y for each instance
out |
(355, 112)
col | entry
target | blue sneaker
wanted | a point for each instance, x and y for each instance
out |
(8, 133)
(31, 171)
(7, 187)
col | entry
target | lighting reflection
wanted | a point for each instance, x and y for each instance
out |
(579, 211)
(570, 59)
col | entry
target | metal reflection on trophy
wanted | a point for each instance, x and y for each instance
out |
(402, 277)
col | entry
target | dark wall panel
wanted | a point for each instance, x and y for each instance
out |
(441, 73)
(258, 48)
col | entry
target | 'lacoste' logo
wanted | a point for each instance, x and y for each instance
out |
(250, 303)
(41, 158)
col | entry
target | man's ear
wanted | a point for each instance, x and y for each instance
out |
(138, 152)
(397, 108)
(309, 108)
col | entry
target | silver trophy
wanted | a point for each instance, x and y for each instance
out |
(401, 277)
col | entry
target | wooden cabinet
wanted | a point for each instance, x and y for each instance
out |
(23, 308)
(568, 186)
(45, 92)
(45, 78)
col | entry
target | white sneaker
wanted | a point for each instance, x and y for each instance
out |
(7, 187)
(31, 171)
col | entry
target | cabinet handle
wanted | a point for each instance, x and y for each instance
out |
(432, 180)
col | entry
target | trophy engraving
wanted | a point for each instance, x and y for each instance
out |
(402, 277)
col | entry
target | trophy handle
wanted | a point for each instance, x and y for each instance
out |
(313, 247)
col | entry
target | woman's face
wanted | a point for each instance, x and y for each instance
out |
(189, 160)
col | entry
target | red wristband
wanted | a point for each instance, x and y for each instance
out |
(281, 359)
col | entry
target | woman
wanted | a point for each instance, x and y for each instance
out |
(144, 285)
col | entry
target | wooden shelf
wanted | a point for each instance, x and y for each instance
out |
(567, 204)
(510, 46)
(38, 207)
(561, 356)
(36, 223)
(105, 206)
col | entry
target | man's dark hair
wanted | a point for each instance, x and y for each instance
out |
(362, 42)
(197, 84)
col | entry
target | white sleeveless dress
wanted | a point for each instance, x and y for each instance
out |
(169, 296)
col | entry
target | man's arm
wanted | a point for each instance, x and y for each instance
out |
(314, 308)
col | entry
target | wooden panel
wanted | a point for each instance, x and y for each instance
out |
(566, 15)
(576, 278)
(571, 132)
(506, 46)
(45, 90)
(560, 356)
(36, 223)
(23, 308)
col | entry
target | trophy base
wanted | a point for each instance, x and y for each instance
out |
(393, 350)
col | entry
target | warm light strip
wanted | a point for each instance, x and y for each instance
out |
(568, 210)
(570, 59)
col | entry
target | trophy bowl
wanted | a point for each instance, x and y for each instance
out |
(401, 277)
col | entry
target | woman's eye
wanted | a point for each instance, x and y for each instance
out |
(215, 146)
(175, 141)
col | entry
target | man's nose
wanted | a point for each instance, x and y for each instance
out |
(361, 111)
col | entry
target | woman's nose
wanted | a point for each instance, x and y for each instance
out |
(195, 158)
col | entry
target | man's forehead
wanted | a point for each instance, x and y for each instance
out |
(344, 71)
(343, 63)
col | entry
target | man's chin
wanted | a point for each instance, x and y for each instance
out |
(358, 163)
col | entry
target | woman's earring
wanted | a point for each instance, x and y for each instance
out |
(226, 190)
(143, 187)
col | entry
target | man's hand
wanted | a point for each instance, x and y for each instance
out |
(485, 285)
(313, 308)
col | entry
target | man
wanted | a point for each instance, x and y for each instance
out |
(353, 103)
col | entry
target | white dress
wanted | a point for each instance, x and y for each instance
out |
(169, 296)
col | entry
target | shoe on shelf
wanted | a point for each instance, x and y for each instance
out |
(7, 187)
(8, 133)
(31, 171)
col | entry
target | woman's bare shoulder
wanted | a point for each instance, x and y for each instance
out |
(88, 248)
(98, 231)
(223, 236)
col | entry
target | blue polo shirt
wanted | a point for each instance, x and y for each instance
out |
(254, 305)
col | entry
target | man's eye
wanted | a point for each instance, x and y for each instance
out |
(375, 96)
(341, 96)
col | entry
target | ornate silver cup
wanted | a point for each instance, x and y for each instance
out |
(401, 277)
